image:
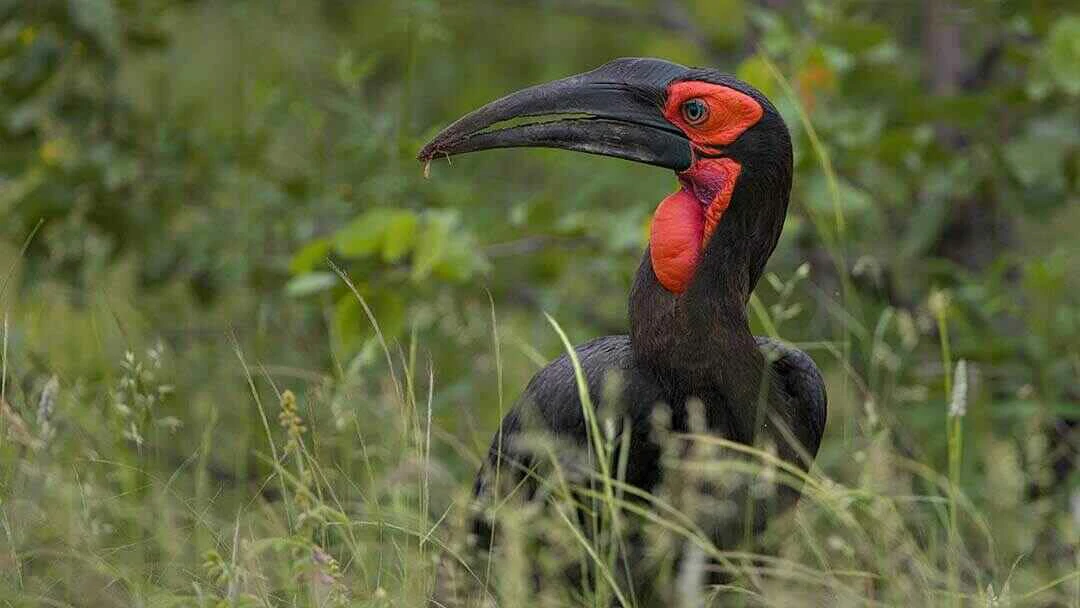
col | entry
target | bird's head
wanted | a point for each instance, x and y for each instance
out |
(725, 141)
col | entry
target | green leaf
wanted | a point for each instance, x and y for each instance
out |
(1022, 155)
(352, 326)
(1063, 53)
(310, 256)
(363, 236)
(1038, 156)
(460, 260)
(432, 243)
(399, 235)
(310, 283)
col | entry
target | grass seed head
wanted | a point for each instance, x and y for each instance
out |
(290, 420)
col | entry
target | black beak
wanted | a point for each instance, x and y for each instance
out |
(614, 110)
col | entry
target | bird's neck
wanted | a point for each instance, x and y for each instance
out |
(699, 342)
(686, 336)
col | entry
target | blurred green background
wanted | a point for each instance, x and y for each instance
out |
(178, 180)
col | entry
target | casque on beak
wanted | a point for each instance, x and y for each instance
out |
(615, 110)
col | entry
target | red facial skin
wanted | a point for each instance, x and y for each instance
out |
(685, 220)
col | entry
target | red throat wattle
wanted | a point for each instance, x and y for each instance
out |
(685, 220)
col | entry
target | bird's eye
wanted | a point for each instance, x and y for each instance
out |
(695, 111)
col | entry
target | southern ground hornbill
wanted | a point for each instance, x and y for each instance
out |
(690, 347)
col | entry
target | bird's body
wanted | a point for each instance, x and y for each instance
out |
(689, 348)
(552, 399)
(551, 404)
(618, 379)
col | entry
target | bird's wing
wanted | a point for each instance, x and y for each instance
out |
(548, 422)
(802, 381)
(550, 410)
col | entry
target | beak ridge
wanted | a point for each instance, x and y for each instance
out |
(614, 110)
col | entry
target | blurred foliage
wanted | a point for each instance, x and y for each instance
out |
(188, 177)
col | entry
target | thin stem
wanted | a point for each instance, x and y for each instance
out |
(954, 427)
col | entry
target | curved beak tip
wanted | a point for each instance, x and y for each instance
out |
(428, 152)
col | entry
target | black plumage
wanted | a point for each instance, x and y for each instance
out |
(682, 348)
(551, 404)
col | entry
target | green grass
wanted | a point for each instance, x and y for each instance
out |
(366, 514)
(213, 474)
